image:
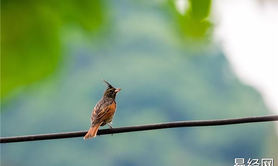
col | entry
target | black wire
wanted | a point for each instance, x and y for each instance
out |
(141, 128)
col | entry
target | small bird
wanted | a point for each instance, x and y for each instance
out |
(103, 111)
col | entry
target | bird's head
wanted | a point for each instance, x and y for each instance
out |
(110, 92)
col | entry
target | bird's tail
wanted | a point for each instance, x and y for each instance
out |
(92, 132)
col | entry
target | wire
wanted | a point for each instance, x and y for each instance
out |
(141, 128)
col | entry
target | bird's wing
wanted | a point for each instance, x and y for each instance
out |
(100, 110)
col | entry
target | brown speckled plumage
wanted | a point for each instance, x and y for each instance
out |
(103, 111)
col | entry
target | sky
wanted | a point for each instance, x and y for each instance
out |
(249, 38)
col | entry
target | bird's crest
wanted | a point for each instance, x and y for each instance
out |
(108, 84)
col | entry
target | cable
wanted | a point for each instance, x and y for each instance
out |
(141, 128)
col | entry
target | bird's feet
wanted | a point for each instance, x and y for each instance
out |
(110, 125)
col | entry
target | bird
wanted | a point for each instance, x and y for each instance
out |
(103, 111)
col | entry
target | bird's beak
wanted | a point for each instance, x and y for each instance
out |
(117, 90)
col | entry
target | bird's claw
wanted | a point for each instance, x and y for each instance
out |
(110, 126)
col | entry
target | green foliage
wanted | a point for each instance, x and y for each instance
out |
(31, 37)
(194, 25)
(31, 34)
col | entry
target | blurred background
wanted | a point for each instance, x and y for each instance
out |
(174, 60)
